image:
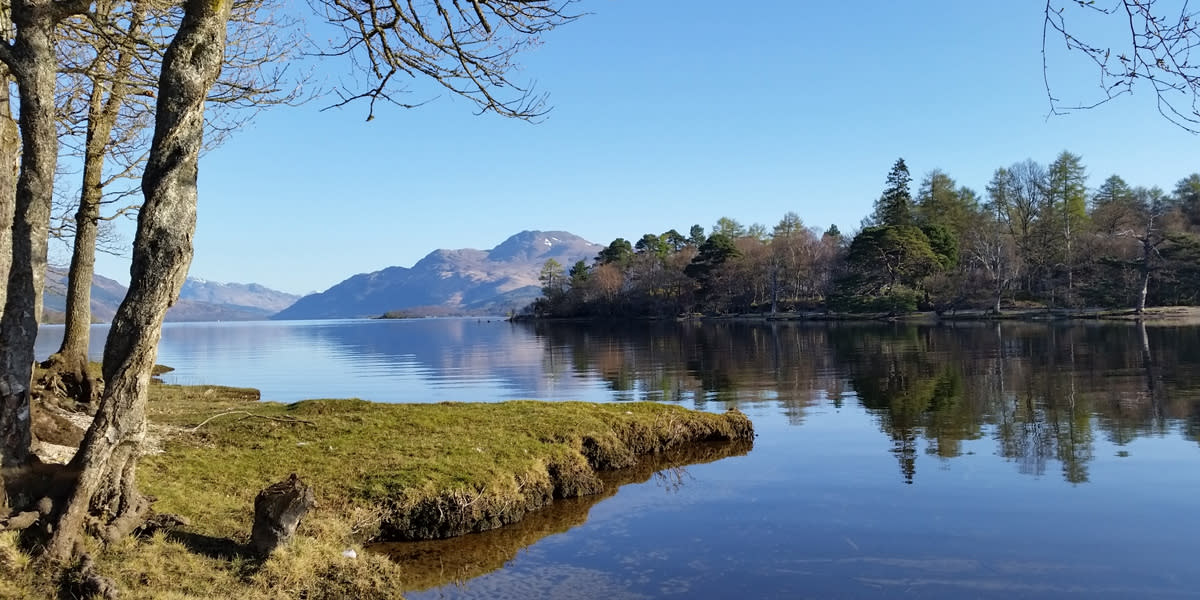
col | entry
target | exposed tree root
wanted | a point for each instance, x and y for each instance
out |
(67, 380)
(83, 581)
(20, 521)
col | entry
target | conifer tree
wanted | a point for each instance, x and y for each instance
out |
(894, 207)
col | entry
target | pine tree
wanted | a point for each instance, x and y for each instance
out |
(894, 207)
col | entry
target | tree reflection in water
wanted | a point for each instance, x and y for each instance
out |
(1041, 391)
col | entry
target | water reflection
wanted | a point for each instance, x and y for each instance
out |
(982, 460)
(1042, 392)
(433, 563)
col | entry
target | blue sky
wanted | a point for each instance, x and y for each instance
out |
(666, 114)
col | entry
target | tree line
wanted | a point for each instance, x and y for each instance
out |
(1037, 237)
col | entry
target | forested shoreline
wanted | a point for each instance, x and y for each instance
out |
(1037, 237)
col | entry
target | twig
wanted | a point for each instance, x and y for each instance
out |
(248, 416)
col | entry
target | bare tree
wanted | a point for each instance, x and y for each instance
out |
(1151, 211)
(993, 249)
(109, 71)
(107, 460)
(466, 47)
(1152, 49)
(30, 59)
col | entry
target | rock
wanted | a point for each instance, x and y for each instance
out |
(350, 553)
(277, 512)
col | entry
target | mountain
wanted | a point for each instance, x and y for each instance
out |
(462, 281)
(199, 300)
(247, 296)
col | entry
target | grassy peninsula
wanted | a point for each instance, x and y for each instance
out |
(380, 472)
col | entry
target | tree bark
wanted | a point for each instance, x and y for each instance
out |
(10, 153)
(72, 358)
(32, 62)
(1147, 252)
(107, 459)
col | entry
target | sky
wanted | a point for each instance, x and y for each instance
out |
(665, 114)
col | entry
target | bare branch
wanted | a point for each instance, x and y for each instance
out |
(1154, 52)
(250, 415)
(467, 49)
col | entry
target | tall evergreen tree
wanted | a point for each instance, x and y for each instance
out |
(1067, 203)
(1112, 206)
(790, 224)
(894, 207)
(1113, 190)
(729, 227)
(618, 252)
(941, 204)
(674, 240)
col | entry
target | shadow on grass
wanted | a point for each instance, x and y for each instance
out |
(216, 547)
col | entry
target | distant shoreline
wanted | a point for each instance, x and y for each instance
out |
(1163, 315)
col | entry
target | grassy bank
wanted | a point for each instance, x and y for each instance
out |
(380, 472)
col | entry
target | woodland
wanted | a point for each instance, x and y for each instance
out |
(1038, 237)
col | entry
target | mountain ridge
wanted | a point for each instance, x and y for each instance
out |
(199, 299)
(450, 281)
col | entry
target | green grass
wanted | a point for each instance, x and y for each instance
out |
(380, 472)
(421, 470)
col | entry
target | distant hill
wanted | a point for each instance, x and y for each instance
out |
(462, 281)
(246, 296)
(199, 300)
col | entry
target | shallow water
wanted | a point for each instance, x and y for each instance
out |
(1025, 460)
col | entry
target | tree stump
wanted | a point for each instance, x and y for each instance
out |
(277, 512)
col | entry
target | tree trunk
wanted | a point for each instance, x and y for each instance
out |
(1141, 300)
(10, 153)
(33, 66)
(107, 459)
(72, 358)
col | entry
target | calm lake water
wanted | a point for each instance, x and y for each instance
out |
(976, 461)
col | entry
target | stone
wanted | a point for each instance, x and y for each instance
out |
(277, 513)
